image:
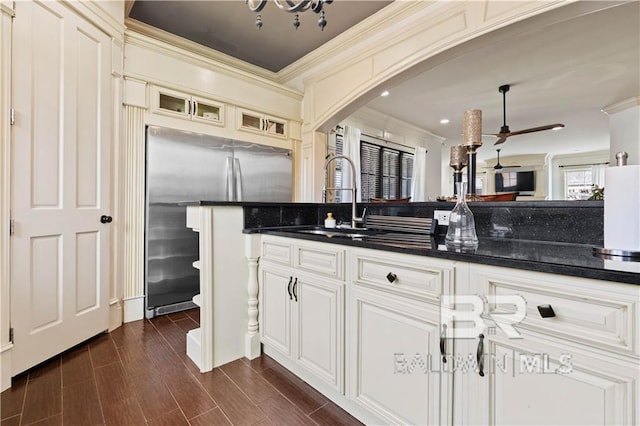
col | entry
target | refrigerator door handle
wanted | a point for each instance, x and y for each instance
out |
(230, 180)
(237, 179)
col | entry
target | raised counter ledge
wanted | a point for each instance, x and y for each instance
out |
(556, 258)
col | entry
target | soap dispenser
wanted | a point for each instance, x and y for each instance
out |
(329, 222)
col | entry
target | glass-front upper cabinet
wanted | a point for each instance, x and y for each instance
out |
(260, 123)
(177, 104)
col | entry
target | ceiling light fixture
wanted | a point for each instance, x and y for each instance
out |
(385, 93)
(291, 6)
(444, 121)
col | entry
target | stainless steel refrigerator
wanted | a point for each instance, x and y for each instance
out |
(185, 166)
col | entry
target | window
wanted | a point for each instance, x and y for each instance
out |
(479, 183)
(385, 172)
(577, 184)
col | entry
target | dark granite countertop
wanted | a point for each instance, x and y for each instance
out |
(542, 256)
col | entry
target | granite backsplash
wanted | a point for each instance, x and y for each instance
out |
(577, 222)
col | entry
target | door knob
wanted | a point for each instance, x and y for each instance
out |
(105, 219)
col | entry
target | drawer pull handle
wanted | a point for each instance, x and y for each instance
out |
(546, 311)
(289, 288)
(480, 355)
(295, 286)
(443, 342)
(391, 277)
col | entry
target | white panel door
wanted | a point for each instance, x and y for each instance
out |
(530, 381)
(319, 327)
(275, 307)
(60, 181)
(395, 366)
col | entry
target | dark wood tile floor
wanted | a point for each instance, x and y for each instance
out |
(140, 375)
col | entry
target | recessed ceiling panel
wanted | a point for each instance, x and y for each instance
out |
(229, 27)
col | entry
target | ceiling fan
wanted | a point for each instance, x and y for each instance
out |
(498, 166)
(505, 132)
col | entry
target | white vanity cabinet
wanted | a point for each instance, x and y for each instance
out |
(579, 366)
(302, 306)
(395, 365)
(177, 104)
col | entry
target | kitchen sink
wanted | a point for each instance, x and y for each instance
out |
(334, 233)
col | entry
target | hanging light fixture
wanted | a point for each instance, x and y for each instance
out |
(291, 6)
(498, 166)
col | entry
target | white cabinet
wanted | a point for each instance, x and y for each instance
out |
(224, 276)
(177, 104)
(542, 382)
(579, 366)
(301, 312)
(256, 122)
(395, 366)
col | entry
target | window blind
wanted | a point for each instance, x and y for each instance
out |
(369, 170)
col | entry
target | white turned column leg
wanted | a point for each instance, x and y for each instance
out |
(252, 340)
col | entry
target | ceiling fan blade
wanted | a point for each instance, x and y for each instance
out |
(537, 129)
(502, 139)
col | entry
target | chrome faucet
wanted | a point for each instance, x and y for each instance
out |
(354, 190)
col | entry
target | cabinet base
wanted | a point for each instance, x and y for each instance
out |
(337, 398)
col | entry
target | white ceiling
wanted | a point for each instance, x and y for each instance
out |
(563, 72)
(561, 68)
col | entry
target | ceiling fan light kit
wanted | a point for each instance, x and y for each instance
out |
(498, 166)
(505, 132)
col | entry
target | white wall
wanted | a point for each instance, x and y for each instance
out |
(624, 127)
(380, 125)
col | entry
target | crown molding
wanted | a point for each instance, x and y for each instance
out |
(291, 76)
(217, 57)
(7, 8)
(392, 126)
(204, 60)
(359, 33)
(621, 106)
(92, 11)
(128, 6)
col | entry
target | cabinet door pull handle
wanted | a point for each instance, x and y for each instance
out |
(480, 355)
(289, 288)
(194, 108)
(391, 277)
(295, 292)
(443, 342)
(546, 311)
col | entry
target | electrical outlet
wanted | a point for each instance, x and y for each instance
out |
(442, 216)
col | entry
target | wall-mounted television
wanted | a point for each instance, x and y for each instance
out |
(521, 181)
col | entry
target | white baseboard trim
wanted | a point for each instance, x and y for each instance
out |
(133, 309)
(5, 366)
(115, 314)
